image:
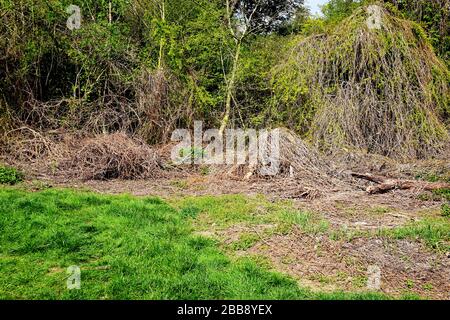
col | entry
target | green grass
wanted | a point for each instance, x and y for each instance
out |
(127, 248)
(443, 193)
(434, 231)
(446, 210)
(225, 211)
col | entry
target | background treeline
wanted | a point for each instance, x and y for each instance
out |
(148, 66)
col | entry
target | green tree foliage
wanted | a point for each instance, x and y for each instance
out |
(432, 15)
(148, 66)
(143, 66)
(336, 10)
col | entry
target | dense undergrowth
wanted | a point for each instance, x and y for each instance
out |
(148, 67)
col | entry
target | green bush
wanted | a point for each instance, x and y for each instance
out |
(9, 175)
(443, 193)
(446, 210)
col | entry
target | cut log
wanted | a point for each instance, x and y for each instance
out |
(387, 184)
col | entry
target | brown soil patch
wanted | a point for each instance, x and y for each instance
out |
(325, 264)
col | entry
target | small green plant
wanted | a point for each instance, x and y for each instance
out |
(9, 175)
(432, 177)
(410, 284)
(180, 184)
(443, 193)
(193, 153)
(204, 171)
(37, 185)
(428, 286)
(446, 210)
(246, 241)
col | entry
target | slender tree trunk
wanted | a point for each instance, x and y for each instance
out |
(110, 13)
(230, 88)
(162, 40)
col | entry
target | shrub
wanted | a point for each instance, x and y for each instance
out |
(446, 210)
(9, 175)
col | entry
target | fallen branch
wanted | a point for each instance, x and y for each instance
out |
(387, 184)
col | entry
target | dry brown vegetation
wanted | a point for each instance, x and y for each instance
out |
(95, 157)
(380, 90)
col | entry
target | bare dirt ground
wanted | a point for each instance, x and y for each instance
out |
(349, 208)
(326, 264)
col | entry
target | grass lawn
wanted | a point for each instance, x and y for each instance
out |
(128, 248)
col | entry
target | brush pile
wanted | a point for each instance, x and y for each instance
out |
(296, 164)
(99, 157)
(113, 156)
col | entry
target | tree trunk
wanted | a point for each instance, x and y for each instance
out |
(387, 184)
(230, 89)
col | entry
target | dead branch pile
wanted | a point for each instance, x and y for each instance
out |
(99, 157)
(301, 161)
(28, 145)
(302, 172)
(113, 156)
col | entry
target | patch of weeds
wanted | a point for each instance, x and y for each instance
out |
(204, 170)
(359, 281)
(379, 210)
(246, 241)
(445, 209)
(180, 184)
(434, 231)
(443, 193)
(38, 185)
(435, 195)
(323, 279)
(428, 196)
(433, 177)
(191, 153)
(288, 260)
(345, 234)
(427, 287)
(284, 228)
(10, 175)
(410, 284)
(308, 222)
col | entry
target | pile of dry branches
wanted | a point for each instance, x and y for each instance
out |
(300, 169)
(114, 156)
(99, 157)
